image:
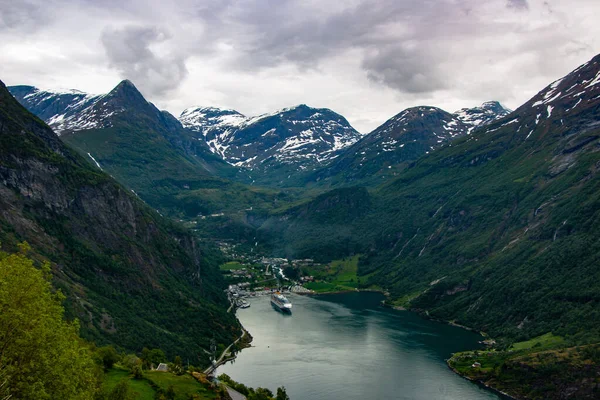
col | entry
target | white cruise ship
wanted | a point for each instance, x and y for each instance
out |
(280, 302)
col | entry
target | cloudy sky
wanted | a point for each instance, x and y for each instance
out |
(366, 59)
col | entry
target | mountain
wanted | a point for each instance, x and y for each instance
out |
(132, 278)
(146, 149)
(497, 230)
(59, 108)
(215, 124)
(485, 114)
(273, 146)
(402, 139)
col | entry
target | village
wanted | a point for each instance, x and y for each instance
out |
(263, 276)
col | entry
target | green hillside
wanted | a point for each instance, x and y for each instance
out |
(497, 230)
(132, 278)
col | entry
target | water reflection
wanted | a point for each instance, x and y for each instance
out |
(348, 347)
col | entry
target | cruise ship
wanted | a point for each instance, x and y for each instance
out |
(281, 303)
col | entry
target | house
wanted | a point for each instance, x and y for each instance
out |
(476, 365)
(162, 367)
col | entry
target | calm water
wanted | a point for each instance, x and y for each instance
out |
(346, 347)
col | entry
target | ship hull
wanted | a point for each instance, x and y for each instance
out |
(280, 308)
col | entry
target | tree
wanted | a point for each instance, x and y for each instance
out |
(170, 393)
(131, 361)
(282, 394)
(177, 366)
(121, 391)
(260, 394)
(41, 355)
(291, 273)
(152, 358)
(109, 356)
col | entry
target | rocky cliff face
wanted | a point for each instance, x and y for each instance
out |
(116, 259)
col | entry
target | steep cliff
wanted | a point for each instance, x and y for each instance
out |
(133, 278)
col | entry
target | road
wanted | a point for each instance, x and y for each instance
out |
(210, 369)
(235, 395)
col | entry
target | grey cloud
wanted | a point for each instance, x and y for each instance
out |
(518, 4)
(270, 33)
(24, 15)
(404, 69)
(441, 52)
(128, 50)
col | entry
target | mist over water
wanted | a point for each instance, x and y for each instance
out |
(347, 347)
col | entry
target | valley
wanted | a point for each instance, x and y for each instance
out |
(485, 218)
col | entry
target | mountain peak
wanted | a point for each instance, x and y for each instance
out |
(484, 114)
(576, 90)
(293, 135)
(203, 119)
(69, 110)
(126, 90)
(125, 83)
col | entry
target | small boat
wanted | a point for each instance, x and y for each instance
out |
(281, 303)
(244, 304)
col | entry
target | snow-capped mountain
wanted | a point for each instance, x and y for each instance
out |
(580, 88)
(61, 109)
(404, 137)
(574, 96)
(128, 137)
(300, 135)
(203, 119)
(72, 110)
(485, 114)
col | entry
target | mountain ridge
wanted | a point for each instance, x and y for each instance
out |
(496, 230)
(272, 144)
(402, 139)
(127, 272)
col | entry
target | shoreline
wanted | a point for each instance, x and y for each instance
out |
(424, 314)
(313, 293)
(421, 313)
(481, 383)
(232, 356)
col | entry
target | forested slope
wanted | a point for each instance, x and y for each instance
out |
(133, 278)
(498, 230)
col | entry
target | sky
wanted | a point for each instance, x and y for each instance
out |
(365, 59)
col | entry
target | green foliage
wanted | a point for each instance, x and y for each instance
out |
(108, 356)
(492, 232)
(42, 356)
(291, 272)
(540, 342)
(337, 276)
(139, 389)
(121, 391)
(253, 394)
(230, 265)
(183, 386)
(151, 358)
(282, 394)
(177, 366)
(133, 278)
(535, 373)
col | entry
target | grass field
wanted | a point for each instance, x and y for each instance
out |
(541, 342)
(339, 275)
(231, 265)
(139, 389)
(184, 385)
(145, 389)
